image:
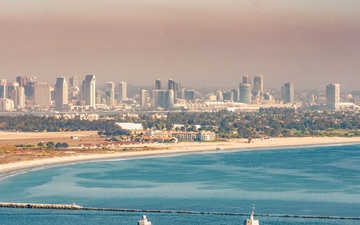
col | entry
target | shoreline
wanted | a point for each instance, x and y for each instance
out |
(182, 148)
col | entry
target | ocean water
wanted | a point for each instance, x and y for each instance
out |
(311, 181)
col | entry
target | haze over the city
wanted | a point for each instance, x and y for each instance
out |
(198, 43)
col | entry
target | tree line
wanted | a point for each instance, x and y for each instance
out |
(272, 122)
(52, 124)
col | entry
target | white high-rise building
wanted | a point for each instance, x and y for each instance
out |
(110, 93)
(122, 91)
(332, 96)
(17, 94)
(89, 91)
(61, 94)
(3, 88)
(144, 99)
(42, 95)
(20, 100)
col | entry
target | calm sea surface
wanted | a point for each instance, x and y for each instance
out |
(315, 181)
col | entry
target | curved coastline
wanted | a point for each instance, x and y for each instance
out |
(180, 148)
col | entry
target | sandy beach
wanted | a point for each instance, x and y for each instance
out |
(181, 148)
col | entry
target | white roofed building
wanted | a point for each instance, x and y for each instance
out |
(130, 126)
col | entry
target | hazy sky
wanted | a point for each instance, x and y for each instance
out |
(198, 43)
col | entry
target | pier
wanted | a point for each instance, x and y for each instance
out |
(77, 207)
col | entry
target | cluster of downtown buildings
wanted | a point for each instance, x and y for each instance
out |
(26, 93)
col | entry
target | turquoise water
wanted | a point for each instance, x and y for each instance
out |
(322, 181)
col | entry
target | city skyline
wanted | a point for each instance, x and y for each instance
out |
(196, 43)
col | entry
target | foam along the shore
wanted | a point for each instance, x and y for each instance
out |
(183, 148)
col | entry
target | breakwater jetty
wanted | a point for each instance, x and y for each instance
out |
(40, 206)
(78, 207)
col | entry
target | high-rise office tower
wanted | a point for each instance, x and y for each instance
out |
(245, 93)
(29, 89)
(170, 99)
(219, 96)
(122, 91)
(171, 84)
(144, 99)
(73, 81)
(20, 98)
(157, 84)
(89, 91)
(160, 98)
(228, 96)
(164, 99)
(259, 85)
(61, 93)
(190, 95)
(3, 88)
(246, 79)
(288, 93)
(41, 94)
(11, 87)
(110, 93)
(22, 80)
(175, 86)
(16, 93)
(236, 95)
(332, 96)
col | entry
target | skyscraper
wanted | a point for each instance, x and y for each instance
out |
(160, 98)
(157, 84)
(175, 86)
(20, 98)
(245, 93)
(170, 99)
(332, 96)
(171, 84)
(288, 93)
(110, 93)
(88, 90)
(164, 99)
(41, 94)
(11, 87)
(144, 99)
(3, 88)
(16, 93)
(246, 79)
(259, 85)
(236, 97)
(61, 93)
(190, 95)
(73, 81)
(122, 91)
(228, 96)
(219, 96)
(22, 80)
